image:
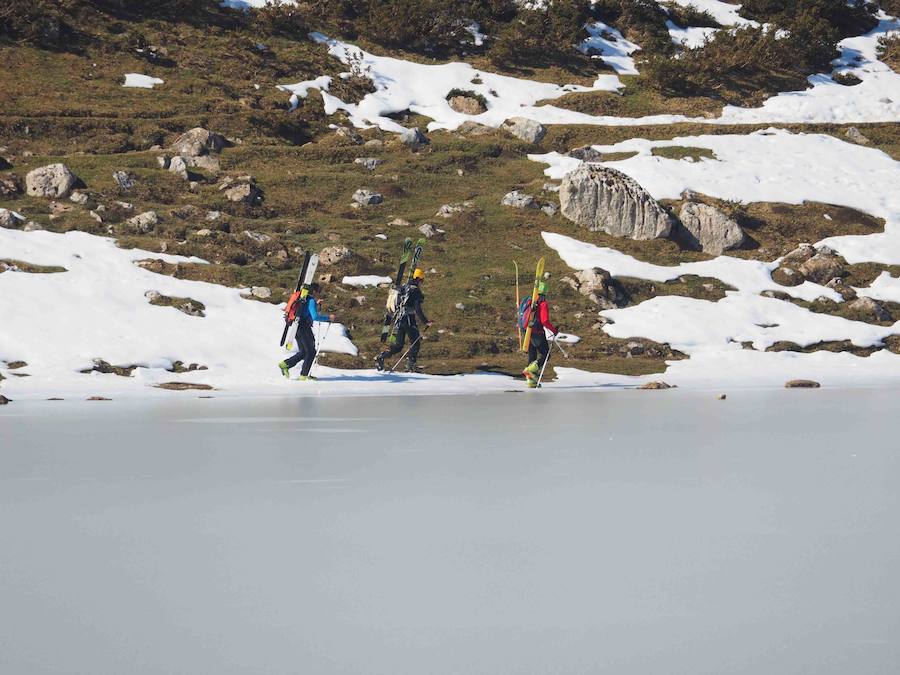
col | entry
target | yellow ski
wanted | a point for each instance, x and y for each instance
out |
(538, 277)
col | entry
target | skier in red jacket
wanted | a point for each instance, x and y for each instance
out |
(540, 319)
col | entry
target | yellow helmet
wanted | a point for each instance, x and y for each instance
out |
(419, 273)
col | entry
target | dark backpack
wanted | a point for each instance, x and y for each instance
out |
(524, 313)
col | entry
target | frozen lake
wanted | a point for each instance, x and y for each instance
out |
(619, 532)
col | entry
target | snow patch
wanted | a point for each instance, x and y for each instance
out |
(614, 49)
(365, 280)
(141, 81)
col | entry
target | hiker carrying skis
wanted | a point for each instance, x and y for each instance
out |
(407, 327)
(306, 341)
(539, 316)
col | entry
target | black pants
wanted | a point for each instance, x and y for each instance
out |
(540, 345)
(307, 344)
(407, 328)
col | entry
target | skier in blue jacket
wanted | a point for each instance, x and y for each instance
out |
(306, 341)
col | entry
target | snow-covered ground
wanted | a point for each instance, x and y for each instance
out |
(139, 81)
(612, 48)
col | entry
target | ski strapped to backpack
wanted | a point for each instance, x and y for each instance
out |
(294, 310)
(290, 310)
(394, 292)
(529, 315)
(402, 295)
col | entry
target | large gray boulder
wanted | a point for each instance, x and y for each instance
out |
(524, 129)
(708, 229)
(53, 180)
(599, 286)
(198, 142)
(603, 199)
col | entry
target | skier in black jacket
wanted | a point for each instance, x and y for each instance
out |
(407, 326)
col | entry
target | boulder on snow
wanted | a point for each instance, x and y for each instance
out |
(467, 105)
(604, 199)
(524, 129)
(365, 197)
(856, 136)
(708, 229)
(53, 180)
(197, 142)
(331, 255)
(519, 200)
(586, 153)
(144, 223)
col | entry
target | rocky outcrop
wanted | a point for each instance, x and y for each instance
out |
(524, 129)
(604, 199)
(332, 255)
(53, 180)
(365, 197)
(519, 200)
(707, 229)
(467, 105)
(198, 142)
(599, 286)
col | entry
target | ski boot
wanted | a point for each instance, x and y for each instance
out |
(379, 363)
(531, 373)
(307, 378)
(413, 367)
(284, 369)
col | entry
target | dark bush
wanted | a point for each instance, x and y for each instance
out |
(541, 37)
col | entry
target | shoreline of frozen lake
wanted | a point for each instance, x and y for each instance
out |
(518, 534)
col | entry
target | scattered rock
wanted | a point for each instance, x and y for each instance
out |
(799, 255)
(400, 222)
(428, 230)
(53, 180)
(4, 400)
(350, 134)
(550, 208)
(869, 309)
(256, 237)
(855, 135)
(203, 232)
(331, 255)
(357, 301)
(460, 306)
(124, 180)
(32, 226)
(847, 292)
(369, 162)
(144, 223)
(467, 105)
(101, 366)
(213, 215)
(244, 192)
(178, 166)
(519, 200)
(9, 187)
(550, 187)
(823, 267)
(78, 197)
(198, 142)
(413, 138)
(601, 198)
(9, 220)
(374, 143)
(184, 386)
(787, 276)
(586, 153)
(365, 197)
(448, 210)
(656, 385)
(98, 398)
(524, 129)
(599, 286)
(708, 229)
(261, 292)
(801, 384)
(472, 128)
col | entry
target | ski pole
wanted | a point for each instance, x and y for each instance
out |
(403, 356)
(541, 376)
(318, 350)
(564, 352)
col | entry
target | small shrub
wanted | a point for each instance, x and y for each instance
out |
(690, 15)
(889, 50)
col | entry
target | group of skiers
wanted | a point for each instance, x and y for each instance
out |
(535, 315)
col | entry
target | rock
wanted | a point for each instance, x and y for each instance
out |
(708, 229)
(96, 216)
(550, 187)
(248, 193)
(467, 105)
(78, 197)
(358, 300)
(472, 128)
(656, 385)
(53, 180)
(350, 134)
(524, 129)
(144, 223)
(586, 153)
(365, 197)
(400, 222)
(9, 187)
(32, 226)
(801, 384)
(599, 286)
(601, 198)
(256, 237)
(823, 267)
(9, 220)
(178, 166)
(261, 292)
(413, 138)
(197, 142)
(204, 232)
(460, 306)
(331, 255)
(847, 292)
(869, 309)
(213, 215)
(519, 200)
(448, 210)
(205, 162)
(374, 143)
(799, 255)
(4, 400)
(428, 230)
(855, 135)
(550, 209)
(369, 162)
(787, 276)
(722, 397)
(124, 180)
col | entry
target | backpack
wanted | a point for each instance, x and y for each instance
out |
(523, 316)
(293, 306)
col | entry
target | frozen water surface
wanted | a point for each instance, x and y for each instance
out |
(634, 532)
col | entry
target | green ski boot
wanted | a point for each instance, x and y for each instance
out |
(284, 369)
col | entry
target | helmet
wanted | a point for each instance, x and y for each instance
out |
(542, 287)
(419, 273)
